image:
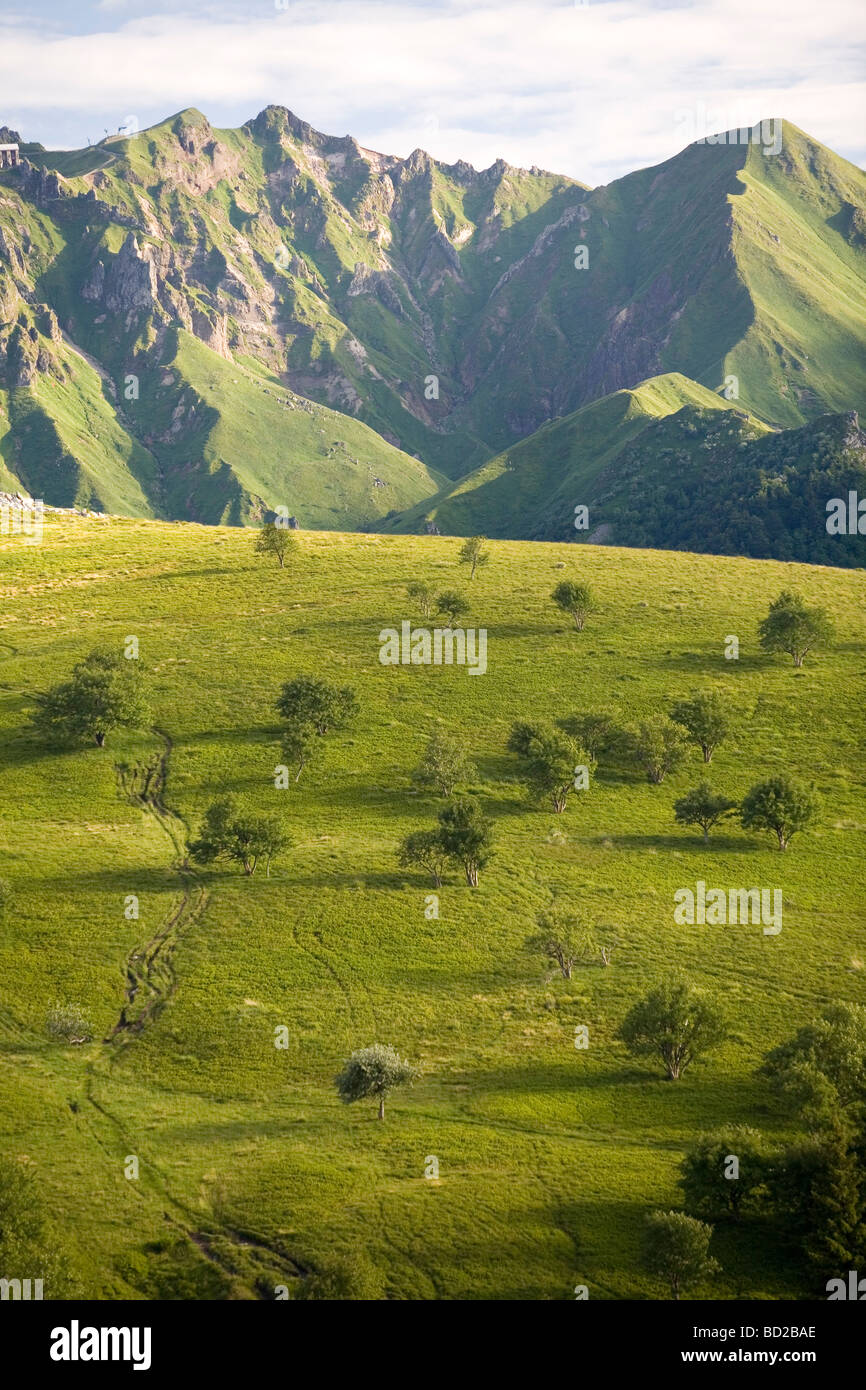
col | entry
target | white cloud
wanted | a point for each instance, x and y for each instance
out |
(589, 90)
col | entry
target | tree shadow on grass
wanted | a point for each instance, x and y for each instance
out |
(256, 734)
(685, 844)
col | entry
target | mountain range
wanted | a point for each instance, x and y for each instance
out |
(209, 324)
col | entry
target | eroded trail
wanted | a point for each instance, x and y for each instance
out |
(151, 982)
(151, 978)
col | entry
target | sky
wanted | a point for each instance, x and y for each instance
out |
(591, 90)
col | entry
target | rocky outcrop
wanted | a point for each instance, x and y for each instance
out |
(378, 283)
(41, 185)
(128, 284)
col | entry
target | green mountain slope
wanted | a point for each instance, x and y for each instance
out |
(532, 489)
(235, 443)
(453, 311)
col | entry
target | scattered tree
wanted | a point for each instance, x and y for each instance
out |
(445, 763)
(453, 605)
(373, 1071)
(550, 761)
(472, 553)
(706, 719)
(300, 744)
(724, 1173)
(563, 939)
(780, 804)
(659, 747)
(597, 731)
(28, 1244)
(575, 599)
(521, 737)
(105, 692)
(835, 1227)
(704, 807)
(559, 938)
(273, 539)
(228, 833)
(676, 1250)
(466, 835)
(424, 849)
(823, 1066)
(424, 596)
(308, 700)
(794, 627)
(676, 1022)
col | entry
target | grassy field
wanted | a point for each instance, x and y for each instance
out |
(549, 1157)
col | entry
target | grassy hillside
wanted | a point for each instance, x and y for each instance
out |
(235, 442)
(67, 443)
(797, 238)
(250, 1169)
(532, 489)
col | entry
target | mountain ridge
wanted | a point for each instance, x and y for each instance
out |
(438, 306)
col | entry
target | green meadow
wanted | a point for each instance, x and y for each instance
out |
(251, 1171)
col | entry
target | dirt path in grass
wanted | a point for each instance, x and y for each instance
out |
(151, 982)
(150, 973)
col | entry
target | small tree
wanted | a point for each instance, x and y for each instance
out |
(424, 849)
(823, 1066)
(105, 692)
(28, 1241)
(780, 804)
(676, 1250)
(373, 1071)
(705, 717)
(262, 837)
(551, 761)
(835, 1235)
(659, 747)
(453, 605)
(424, 596)
(276, 540)
(596, 731)
(466, 835)
(228, 833)
(676, 1022)
(472, 553)
(308, 700)
(300, 745)
(522, 735)
(563, 939)
(794, 627)
(723, 1173)
(575, 599)
(704, 807)
(445, 763)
